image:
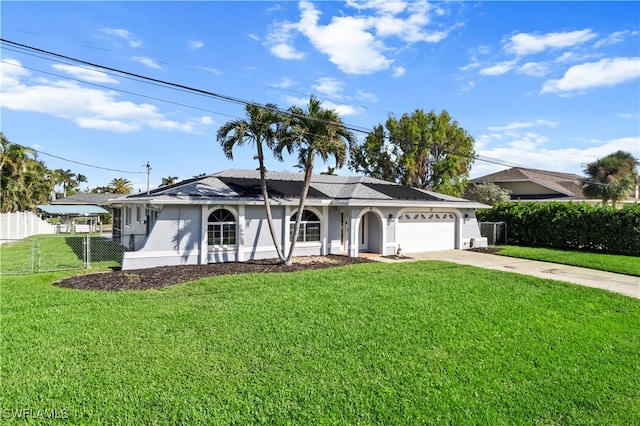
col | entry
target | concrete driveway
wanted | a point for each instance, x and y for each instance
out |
(618, 283)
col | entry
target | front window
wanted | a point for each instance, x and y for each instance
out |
(221, 229)
(309, 227)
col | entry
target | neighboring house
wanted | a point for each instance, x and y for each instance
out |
(536, 185)
(221, 218)
(86, 198)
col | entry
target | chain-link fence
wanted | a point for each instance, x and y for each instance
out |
(495, 232)
(47, 253)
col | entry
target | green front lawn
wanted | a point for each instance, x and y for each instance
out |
(403, 343)
(628, 265)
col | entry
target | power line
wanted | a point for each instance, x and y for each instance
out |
(76, 162)
(226, 98)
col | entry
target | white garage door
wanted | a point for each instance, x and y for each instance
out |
(426, 231)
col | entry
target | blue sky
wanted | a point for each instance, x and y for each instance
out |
(550, 85)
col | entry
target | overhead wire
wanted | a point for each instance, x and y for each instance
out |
(26, 49)
(73, 161)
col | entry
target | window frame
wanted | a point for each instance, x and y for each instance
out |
(306, 225)
(222, 232)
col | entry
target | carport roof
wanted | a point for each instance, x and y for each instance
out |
(70, 209)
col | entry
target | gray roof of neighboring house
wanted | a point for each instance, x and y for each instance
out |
(245, 185)
(85, 198)
(568, 184)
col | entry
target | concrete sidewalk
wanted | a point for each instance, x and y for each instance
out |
(618, 283)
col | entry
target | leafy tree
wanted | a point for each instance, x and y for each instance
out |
(259, 128)
(613, 177)
(489, 193)
(314, 132)
(424, 150)
(25, 180)
(120, 186)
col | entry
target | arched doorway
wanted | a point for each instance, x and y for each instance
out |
(370, 233)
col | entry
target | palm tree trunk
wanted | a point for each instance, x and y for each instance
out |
(267, 205)
(303, 198)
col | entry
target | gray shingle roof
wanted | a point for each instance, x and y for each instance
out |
(245, 185)
(568, 184)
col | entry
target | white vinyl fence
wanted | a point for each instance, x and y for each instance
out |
(19, 225)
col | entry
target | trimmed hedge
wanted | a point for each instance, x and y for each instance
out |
(571, 226)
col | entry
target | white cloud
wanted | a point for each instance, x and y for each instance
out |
(285, 83)
(606, 72)
(573, 57)
(195, 44)
(280, 41)
(498, 69)
(329, 86)
(211, 70)
(345, 41)
(86, 74)
(356, 44)
(524, 125)
(147, 61)
(123, 34)
(525, 44)
(365, 96)
(87, 107)
(11, 71)
(568, 160)
(535, 69)
(399, 71)
(284, 51)
(614, 38)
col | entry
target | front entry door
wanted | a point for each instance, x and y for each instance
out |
(363, 234)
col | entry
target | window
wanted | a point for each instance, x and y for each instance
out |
(138, 214)
(221, 229)
(127, 216)
(309, 227)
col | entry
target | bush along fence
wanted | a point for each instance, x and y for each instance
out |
(571, 226)
(45, 253)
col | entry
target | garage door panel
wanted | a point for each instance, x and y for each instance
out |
(426, 231)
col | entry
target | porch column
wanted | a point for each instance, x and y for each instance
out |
(242, 224)
(204, 243)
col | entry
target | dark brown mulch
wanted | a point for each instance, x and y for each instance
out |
(157, 278)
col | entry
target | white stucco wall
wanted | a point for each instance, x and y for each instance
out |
(179, 234)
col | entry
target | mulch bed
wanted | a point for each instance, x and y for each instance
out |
(157, 278)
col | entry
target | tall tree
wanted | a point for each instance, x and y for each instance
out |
(120, 186)
(424, 150)
(611, 178)
(316, 132)
(258, 128)
(489, 193)
(25, 180)
(169, 180)
(67, 179)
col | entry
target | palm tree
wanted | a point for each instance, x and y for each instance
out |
(25, 181)
(67, 179)
(120, 186)
(612, 177)
(259, 128)
(170, 180)
(315, 132)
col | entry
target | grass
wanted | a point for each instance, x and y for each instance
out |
(628, 265)
(57, 252)
(409, 343)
